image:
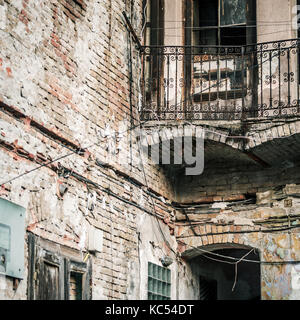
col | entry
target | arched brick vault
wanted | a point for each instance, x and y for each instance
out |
(243, 158)
(169, 131)
(266, 160)
(265, 142)
(277, 143)
(210, 236)
(188, 252)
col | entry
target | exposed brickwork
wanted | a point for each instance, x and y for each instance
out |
(269, 225)
(69, 87)
(64, 80)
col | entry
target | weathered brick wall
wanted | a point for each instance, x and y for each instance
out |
(70, 72)
(65, 73)
(217, 185)
(246, 197)
(271, 226)
(64, 76)
(255, 159)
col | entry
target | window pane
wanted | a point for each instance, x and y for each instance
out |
(150, 273)
(164, 291)
(208, 13)
(233, 12)
(231, 36)
(159, 288)
(150, 284)
(206, 37)
(155, 270)
(155, 286)
(159, 274)
(169, 290)
(164, 277)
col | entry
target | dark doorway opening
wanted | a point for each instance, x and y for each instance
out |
(208, 289)
(220, 281)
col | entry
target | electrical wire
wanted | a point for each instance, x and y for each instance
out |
(259, 21)
(143, 168)
(201, 250)
(153, 205)
(224, 36)
(236, 269)
(145, 19)
(60, 158)
(152, 201)
(271, 24)
(198, 249)
(147, 186)
(39, 167)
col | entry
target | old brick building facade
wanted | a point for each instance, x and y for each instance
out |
(79, 99)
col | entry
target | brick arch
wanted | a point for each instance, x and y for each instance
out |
(154, 134)
(254, 137)
(188, 251)
(211, 236)
(272, 133)
(276, 144)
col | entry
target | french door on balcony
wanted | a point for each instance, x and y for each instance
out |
(220, 71)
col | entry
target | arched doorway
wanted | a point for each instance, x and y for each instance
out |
(220, 278)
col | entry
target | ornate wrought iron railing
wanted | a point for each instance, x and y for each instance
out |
(221, 83)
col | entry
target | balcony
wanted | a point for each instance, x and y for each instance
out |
(221, 83)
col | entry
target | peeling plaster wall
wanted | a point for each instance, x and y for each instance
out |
(153, 247)
(271, 226)
(64, 79)
(64, 76)
(275, 20)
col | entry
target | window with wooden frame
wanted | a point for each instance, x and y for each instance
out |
(154, 13)
(154, 22)
(56, 272)
(217, 70)
(224, 22)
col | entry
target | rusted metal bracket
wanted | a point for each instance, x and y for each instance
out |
(131, 30)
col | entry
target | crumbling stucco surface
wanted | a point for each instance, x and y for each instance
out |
(65, 75)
